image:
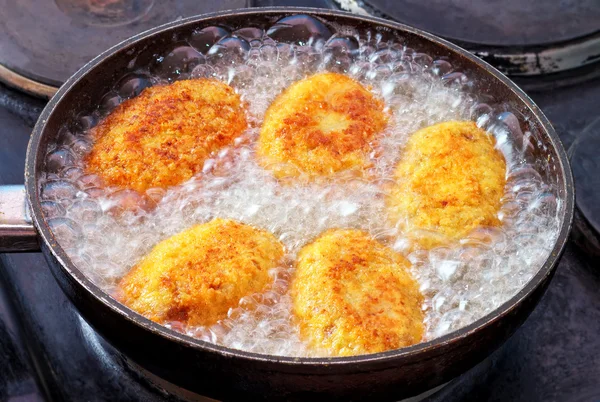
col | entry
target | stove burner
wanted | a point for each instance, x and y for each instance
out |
(62, 35)
(512, 35)
(107, 13)
(42, 43)
(498, 23)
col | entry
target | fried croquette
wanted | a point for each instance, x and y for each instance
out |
(353, 295)
(448, 182)
(196, 276)
(319, 126)
(162, 137)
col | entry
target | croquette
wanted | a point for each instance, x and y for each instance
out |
(163, 136)
(320, 126)
(352, 295)
(449, 181)
(196, 276)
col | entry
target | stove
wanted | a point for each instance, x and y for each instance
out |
(49, 353)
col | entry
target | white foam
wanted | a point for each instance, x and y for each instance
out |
(460, 284)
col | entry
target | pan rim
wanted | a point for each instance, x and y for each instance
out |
(408, 353)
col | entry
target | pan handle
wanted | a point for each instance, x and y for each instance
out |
(17, 233)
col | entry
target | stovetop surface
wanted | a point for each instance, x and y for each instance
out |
(47, 352)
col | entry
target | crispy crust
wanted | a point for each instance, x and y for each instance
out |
(319, 126)
(352, 295)
(196, 276)
(162, 137)
(449, 181)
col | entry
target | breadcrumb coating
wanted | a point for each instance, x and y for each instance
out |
(352, 295)
(320, 126)
(449, 181)
(196, 276)
(163, 136)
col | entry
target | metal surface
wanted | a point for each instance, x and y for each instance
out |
(512, 35)
(491, 22)
(227, 373)
(63, 34)
(17, 233)
(192, 397)
(47, 41)
(548, 59)
(25, 84)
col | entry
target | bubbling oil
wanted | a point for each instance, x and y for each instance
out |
(461, 282)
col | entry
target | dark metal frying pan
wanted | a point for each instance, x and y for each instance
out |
(226, 373)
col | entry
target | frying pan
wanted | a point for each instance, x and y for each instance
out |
(225, 373)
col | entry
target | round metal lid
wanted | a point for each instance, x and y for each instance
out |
(520, 38)
(42, 43)
(497, 22)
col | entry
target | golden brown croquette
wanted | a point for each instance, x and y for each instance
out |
(449, 181)
(352, 295)
(163, 136)
(320, 126)
(196, 276)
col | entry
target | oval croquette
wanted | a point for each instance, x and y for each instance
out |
(449, 181)
(353, 295)
(320, 126)
(196, 276)
(163, 136)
